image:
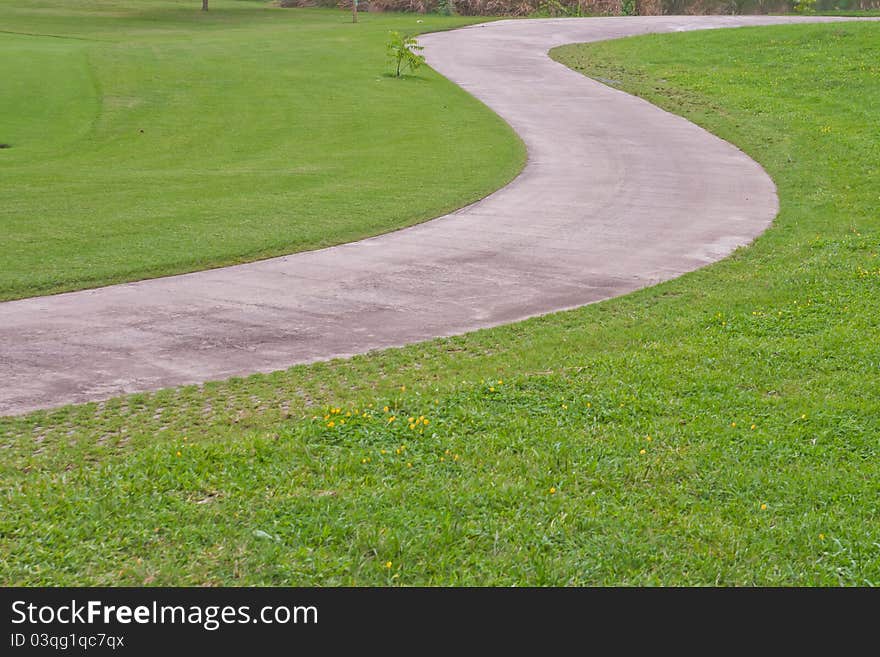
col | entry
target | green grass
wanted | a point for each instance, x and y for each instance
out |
(150, 138)
(852, 13)
(756, 380)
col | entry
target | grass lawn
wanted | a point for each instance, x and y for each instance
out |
(722, 428)
(151, 138)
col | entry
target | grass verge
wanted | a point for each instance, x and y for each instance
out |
(150, 138)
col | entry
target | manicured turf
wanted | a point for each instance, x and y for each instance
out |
(151, 138)
(723, 428)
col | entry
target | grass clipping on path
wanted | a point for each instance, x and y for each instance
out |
(722, 428)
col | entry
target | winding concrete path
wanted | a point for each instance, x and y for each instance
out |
(617, 195)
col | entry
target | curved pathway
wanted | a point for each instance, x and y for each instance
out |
(617, 195)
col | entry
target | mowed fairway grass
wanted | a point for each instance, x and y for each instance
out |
(722, 428)
(150, 138)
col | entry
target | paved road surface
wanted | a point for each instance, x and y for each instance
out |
(617, 195)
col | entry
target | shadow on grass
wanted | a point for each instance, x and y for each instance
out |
(404, 76)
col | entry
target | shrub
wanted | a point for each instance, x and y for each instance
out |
(402, 52)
